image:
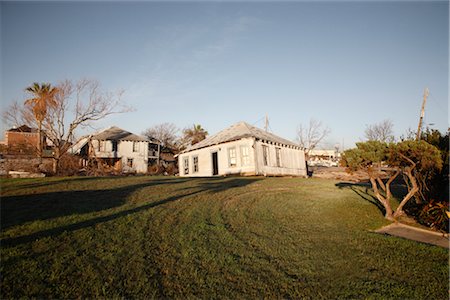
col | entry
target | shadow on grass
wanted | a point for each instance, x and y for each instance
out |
(16, 210)
(362, 189)
(209, 186)
(32, 183)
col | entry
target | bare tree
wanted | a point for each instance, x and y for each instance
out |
(76, 105)
(310, 136)
(382, 132)
(165, 133)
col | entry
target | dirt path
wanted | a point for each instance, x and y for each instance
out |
(416, 234)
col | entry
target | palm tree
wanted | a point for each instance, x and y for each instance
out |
(43, 98)
(195, 134)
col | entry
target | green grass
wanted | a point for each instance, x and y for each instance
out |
(166, 237)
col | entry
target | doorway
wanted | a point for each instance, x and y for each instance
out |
(215, 163)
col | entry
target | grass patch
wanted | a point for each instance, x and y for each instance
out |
(140, 237)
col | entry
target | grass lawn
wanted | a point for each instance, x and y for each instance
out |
(167, 237)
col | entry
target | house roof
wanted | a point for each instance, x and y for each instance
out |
(117, 134)
(238, 131)
(23, 128)
(109, 134)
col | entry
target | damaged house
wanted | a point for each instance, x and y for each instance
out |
(244, 150)
(119, 149)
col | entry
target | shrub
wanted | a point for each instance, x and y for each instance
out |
(435, 215)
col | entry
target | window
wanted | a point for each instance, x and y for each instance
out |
(265, 155)
(245, 155)
(101, 146)
(130, 162)
(186, 165)
(278, 156)
(195, 164)
(135, 146)
(232, 157)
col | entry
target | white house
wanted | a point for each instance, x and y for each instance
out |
(242, 149)
(119, 148)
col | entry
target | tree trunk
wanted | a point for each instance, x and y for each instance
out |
(56, 158)
(384, 201)
(40, 142)
(388, 184)
(399, 211)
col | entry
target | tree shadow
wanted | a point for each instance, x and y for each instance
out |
(362, 190)
(23, 183)
(214, 187)
(16, 210)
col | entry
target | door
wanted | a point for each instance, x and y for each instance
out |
(215, 163)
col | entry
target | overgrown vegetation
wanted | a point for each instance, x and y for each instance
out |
(421, 165)
(167, 237)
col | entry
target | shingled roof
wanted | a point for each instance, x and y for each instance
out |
(118, 134)
(109, 134)
(238, 131)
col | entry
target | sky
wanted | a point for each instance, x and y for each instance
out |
(347, 64)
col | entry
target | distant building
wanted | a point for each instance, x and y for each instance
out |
(120, 149)
(22, 140)
(324, 158)
(245, 150)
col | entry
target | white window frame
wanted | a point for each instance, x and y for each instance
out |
(186, 165)
(195, 168)
(136, 146)
(232, 157)
(278, 156)
(245, 155)
(265, 150)
(101, 146)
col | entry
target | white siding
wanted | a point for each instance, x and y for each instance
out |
(124, 152)
(292, 160)
(140, 158)
(205, 159)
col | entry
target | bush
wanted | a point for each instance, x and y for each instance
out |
(435, 215)
(155, 170)
(69, 165)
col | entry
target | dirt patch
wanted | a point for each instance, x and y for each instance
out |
(338, 173)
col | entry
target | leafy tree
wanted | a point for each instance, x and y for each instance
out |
(194, 134)
(382, 132)
(43, 99)
(409, 158)
(369, 156)
(438, 188)
(415, 160)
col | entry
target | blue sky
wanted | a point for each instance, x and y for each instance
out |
(348, 64)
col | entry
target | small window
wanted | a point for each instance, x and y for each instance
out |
(101, 146)
(265, 155)
(130, 162)
(232, 157)
(186, 165)
(135, 146)
(278, 156)
(195, 164)
(245, 156)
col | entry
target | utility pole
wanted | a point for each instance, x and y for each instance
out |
(266, 124)
(422, 113)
